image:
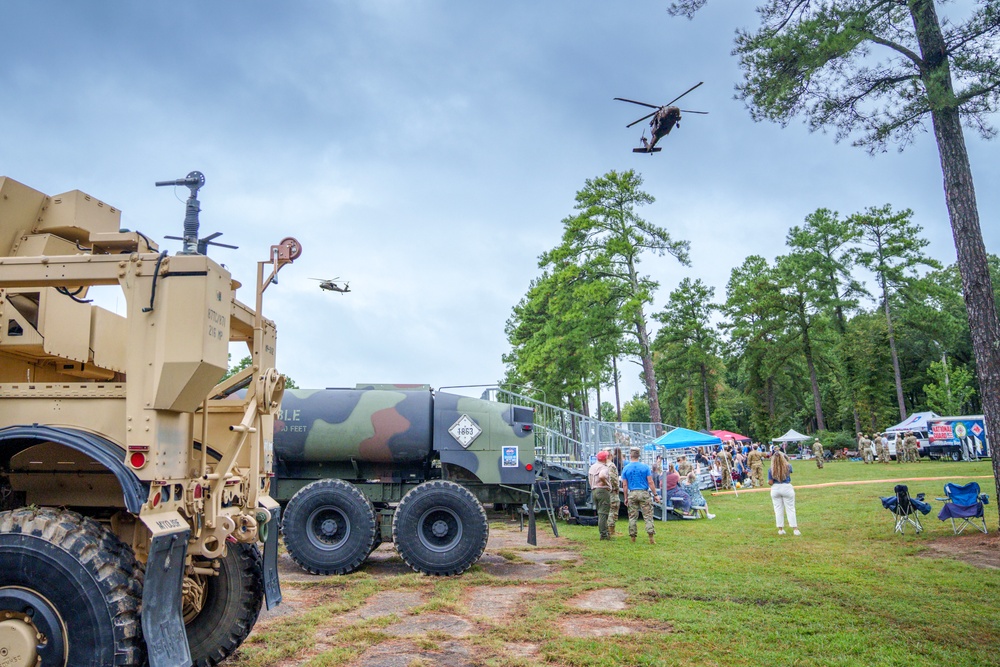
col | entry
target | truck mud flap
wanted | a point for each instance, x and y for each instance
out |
(162, 622)
(272, 587)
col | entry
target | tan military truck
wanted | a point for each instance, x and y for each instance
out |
(133, 499)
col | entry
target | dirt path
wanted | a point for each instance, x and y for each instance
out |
(865, 481)
(412, 627)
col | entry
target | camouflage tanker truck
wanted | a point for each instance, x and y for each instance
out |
(132, 502)
(396, 462)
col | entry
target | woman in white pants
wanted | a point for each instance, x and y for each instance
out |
(782, 492)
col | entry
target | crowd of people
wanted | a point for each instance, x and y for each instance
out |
(639, 484)
(876, 448)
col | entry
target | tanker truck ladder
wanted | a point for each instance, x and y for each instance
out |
(569, 440)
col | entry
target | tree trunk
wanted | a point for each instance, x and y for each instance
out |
(704, 391)
(618, 397)
(813, 379)
(892, 352)
(646, 355)
(960, 195)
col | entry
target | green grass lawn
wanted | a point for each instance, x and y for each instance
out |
(727, 592)
(847, 592)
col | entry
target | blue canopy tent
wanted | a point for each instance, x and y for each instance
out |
(681, 438)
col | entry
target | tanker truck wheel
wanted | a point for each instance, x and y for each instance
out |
(440, 528)
(219, 611)
(329, 527)
(70, 581)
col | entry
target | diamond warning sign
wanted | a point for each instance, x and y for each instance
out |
(465, 430)
(977, 430)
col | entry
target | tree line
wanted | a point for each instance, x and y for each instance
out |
(851, 329)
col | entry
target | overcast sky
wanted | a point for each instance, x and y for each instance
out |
(425, 150)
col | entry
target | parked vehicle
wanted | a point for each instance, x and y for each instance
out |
(962, 438)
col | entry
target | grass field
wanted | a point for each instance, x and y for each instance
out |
(726, 592)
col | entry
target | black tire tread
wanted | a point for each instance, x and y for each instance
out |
(109, 560)
(290, 515)
(249, 562)
(439, 485)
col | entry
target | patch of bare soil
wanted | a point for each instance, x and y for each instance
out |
(521, 649)
(495, 601)
(435, 622)
(296, 600)
(385, 604)
(500, 567)
(604, 599)
(975, 549)
(402, 653)
(508, 535)
(604, 626)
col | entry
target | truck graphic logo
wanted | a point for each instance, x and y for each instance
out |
(465, 430)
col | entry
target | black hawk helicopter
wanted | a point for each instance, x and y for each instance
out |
(663, 120)
(332, 285)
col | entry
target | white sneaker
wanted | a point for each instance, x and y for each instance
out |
(796, 532)
(781, 531)
(711, 516)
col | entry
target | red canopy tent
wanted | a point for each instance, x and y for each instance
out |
(729, 435)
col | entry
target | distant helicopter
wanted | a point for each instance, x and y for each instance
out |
(664, 119)
(332, 285)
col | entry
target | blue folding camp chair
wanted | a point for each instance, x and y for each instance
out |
(905, 509)
(964, 503)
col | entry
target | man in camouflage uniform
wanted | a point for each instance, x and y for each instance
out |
(864, 448)
(597, 477)
(637, 485)
(901, 454)
(684, 466)
(725, 467)
(912, 448)
(818, 452)
(755, 459)
(615, 486)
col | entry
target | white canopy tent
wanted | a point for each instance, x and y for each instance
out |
(917, 422)
(792, 436)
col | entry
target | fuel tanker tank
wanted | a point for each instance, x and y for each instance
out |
(337, 425)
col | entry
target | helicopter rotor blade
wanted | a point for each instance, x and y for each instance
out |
(704, 113)
(642, 104)
(683, 94)
(641, 119)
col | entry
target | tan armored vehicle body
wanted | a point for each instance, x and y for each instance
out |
(129, 525)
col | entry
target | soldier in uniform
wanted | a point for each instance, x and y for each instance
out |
(601, 492)
(726, 466)
(614, 482)
(755, 459)
(901, 454)
(912, 448)
(818, 452)
(683, 466)
(864, 448)
(640, 493)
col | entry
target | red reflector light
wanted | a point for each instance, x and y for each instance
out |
(197, 492)
(156, 499)
(529, 467)
(137, 459)
(526, 427)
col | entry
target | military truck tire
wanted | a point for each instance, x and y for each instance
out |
(231, 605)
(440, 528)
(329, 527)
(72, 580)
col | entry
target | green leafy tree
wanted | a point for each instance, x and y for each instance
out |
(607, 238)
(244, 363)
(952, 389)
(893, 251)
(688, 344)
(636, 409)
(878, 70)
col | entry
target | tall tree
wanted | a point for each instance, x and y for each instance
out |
(608, 237)
(893, 251)
(688, 340)
(877, 70)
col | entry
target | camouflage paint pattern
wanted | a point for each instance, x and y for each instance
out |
(406, 427)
